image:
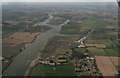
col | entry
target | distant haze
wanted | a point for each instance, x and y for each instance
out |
(58, 0)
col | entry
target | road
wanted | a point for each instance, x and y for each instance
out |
(18, 66)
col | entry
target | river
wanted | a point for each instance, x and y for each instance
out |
(18, 66)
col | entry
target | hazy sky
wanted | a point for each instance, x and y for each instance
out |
(58, 0)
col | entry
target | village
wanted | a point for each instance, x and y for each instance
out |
(82, 66)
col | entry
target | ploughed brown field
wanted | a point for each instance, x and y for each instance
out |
(116, 60)
(106, 66)
(15, 42)
(21, 37)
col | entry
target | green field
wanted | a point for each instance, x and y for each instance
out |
(96, 52)
(58, 45)
(112, 52)
(93, 23)
(106, 42)
(6, 31)
(85, 25)
(71, 28)
(78, 53)
(61, 70)
(102, 52)
(81, 49)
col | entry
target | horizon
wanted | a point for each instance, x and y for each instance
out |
(59, 1)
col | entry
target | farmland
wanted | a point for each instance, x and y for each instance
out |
(83, 26)
(96, 51)
(55, 45)
(46, 70)
(21, 37)
(58, 50)
(115, 60)
(54, 48)
(101, 42)
(106, 66)
(112, 52)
